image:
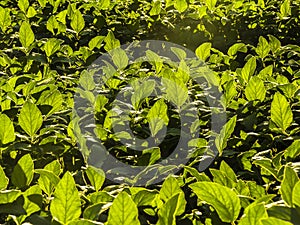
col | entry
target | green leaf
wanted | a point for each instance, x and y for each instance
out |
(281, 113)
(176, 91)
(167, 214)
(156, 8)
(84, 222)
(237, 47)
(211, 4)
(285, 8)
(9, 196)
(77, 21)
(52, 98)
(119, 58)
(31, 12)
(157, 116)
(253, 214)
(223, 199)
(111, 42)
(296, 195)
(47, 181)
(23, 5)
(141, 91)
(293, 150)
(274, 43)
(7, 130)
(171, 188)
(290, 178)
(123, 211)
(273, 221)
(144, 197)
(66, 205)
(3, 178)
(248, 70)
(52, 46)
(5, 19)
(96, 177)
(30, 118)
(26, 35)
(180, 5)
(96, 42)
(262, 48)
(203, 51)
(155, 60)
(255, 90)
(227, 130)
(23, 172)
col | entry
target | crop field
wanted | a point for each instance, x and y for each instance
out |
(144, 112)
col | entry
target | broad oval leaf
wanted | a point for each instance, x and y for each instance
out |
(296, 195)
(30, 118)
(3, 178)
(23, 172)
(96, 177)
(255, 90)
(123, 211)
(66, 205)
(26, 35)
(167, 214)
(223, 199)
(281, 113)
(227, 130)
(7, 131)
(290, 178)
(253, 214)
(203, 51)
(77, 21)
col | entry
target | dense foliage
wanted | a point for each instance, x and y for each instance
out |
(47, 45)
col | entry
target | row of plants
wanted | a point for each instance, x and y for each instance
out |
(251, 55)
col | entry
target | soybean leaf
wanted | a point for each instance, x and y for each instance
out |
(5, 19)
(9, 196)
(255, 90)
(96, 177)
(293, 150)
(52, 46)
(7, 130)
(237, 47)
(156, 8)
(227, 130)
(111, 42)
(77, 21)
(142, 91)
(96, 42)
(66, 205)
(290, 178)
(52, 98)
(47, 181)
(123, 211)
(23, 172)
(203, 51)
(223, 199)
(285, 8)
(30, 118)
(211, 4)
(180, 5)
(273, 221)
(262, 48)
(157, 116)
(176, 91)
(296, 195)
(281, 113)
(26, 35)
(253, 214)
(3, 179)
(167, 214)
(155, 59)
(171, 188)
(248, 69)
(23, 5)
(119, 58)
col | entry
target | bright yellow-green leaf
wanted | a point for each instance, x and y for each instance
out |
(274, 221)
(26, 35)
(123, 211)
(3, 178)
(248, 69)
(66, 205)
(77, 21)
(227, 130)
(30, 118)
(223, 199)
(180, 5)
(167, 214)
(23, 172)
(203, 51)
(285, 8)
(96, 177)
(7, 131)
(5, 19)
(23, 5)
(253, 214)
(290, 178)
(52, 46)
(255, 90)
(157, 116)
(262, 48)
(281, 112)
(296, 195)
